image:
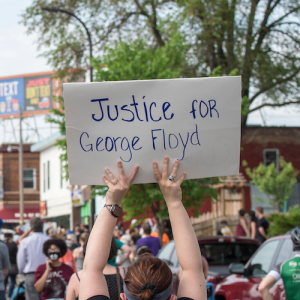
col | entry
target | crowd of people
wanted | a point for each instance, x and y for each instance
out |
(257, 229)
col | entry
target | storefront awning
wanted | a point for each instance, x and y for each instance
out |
(12, 215)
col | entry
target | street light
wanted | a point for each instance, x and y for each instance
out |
(55, 10)
(20, 149)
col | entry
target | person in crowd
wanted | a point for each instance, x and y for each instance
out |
(77, 232)
(225, 230)
(127, 240)
(4, 266)
(113, 275)
(242, 227)
(68, 259)
(168, 228)
(149, 277)
(86, 228)
(127, 250)
(165, 238)
(121, 227)
(142, 250)
(30, 256)
(262, 225)
(117, 233)
(50, 232)
(287, 270)
(13, 271)
(151, 242)
(253, 222)
(71, 241)
(78, 252)
(52, 277)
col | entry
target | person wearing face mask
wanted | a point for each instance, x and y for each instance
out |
(52, 278)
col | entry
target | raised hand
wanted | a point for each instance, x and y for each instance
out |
(170, 188)
(118, 188)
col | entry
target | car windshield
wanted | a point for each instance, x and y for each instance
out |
(227, 253)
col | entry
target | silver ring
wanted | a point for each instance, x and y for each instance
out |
(171, 178)
(116, 182)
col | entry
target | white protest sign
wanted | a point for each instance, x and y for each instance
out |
(196, 121)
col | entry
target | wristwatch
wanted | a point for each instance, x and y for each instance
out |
(114, 209)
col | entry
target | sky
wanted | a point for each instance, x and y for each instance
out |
(19, 55)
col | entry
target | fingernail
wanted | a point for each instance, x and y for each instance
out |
(166, 157)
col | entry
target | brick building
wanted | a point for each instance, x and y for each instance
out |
(9, 167)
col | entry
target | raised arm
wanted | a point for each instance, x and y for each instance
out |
(192, 283)
(92, 281)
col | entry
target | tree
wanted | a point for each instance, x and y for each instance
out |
(139, 61)
(259, 38)
(282, 223)
(278, 186)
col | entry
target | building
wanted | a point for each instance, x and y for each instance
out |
(9, 167)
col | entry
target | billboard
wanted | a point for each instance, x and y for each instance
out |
(31, 92)
(38, 93)
(11, 95)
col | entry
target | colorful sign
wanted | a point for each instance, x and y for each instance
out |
(11, 95)
(38, 93)
(196, 121)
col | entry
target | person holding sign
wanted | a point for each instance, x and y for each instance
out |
(149, 277)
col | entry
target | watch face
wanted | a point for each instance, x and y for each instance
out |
(116, 210)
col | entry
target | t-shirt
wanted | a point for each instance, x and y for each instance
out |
(112, 262)
(56, 281)
(151, 242)
(4, 263)
(265, 225)
(225, 231)
(100, 297)
(69, 257)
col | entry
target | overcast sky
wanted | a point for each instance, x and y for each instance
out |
(18, 55)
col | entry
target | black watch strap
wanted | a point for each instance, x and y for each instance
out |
(114, 209)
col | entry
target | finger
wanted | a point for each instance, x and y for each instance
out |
(156, 171)
(106, 181)
(165, 168)
(132, 174)
(175, 168)
(121, 170)
(181, 178)
(110, 175)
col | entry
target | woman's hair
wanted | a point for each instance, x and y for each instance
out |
(58, 243)
(251, 213)
(148, 269)
(84, 236)
(113, 247)
(242, 212)
(36, 224)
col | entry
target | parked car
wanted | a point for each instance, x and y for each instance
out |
(245, 279)
(219, 252)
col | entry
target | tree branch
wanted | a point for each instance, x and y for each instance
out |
(263, 90)
(274, 105)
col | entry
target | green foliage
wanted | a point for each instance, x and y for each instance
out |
(138, 60)
(282, 223)
(278, 186)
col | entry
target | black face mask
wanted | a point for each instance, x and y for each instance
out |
(53, 256)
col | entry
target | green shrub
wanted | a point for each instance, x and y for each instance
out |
(281, 223)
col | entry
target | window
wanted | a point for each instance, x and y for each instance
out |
(44, 177)
(285, 251)
(48, 174)
(271, 156)
(29, 179)
(261, 263)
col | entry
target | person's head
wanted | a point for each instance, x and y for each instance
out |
(117, 233)
(259, 211)
(252, 215)
(147, 277)
(86, 228)
(8, 237)
(70, 239)
(1, 223)
(223, 223)
(295, 236)
(113, 248)
(77, 228)
(54, 249)
(36, 224)
(50, 232)
(83, 238)
(147, 228)
(142, 250)
(242, 212)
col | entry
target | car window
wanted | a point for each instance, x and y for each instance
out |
(227, 253)
(165, 253)
(285, 251)
(261, 263)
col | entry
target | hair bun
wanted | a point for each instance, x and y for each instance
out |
(149, 286)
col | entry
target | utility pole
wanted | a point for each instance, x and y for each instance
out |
(21, 193)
